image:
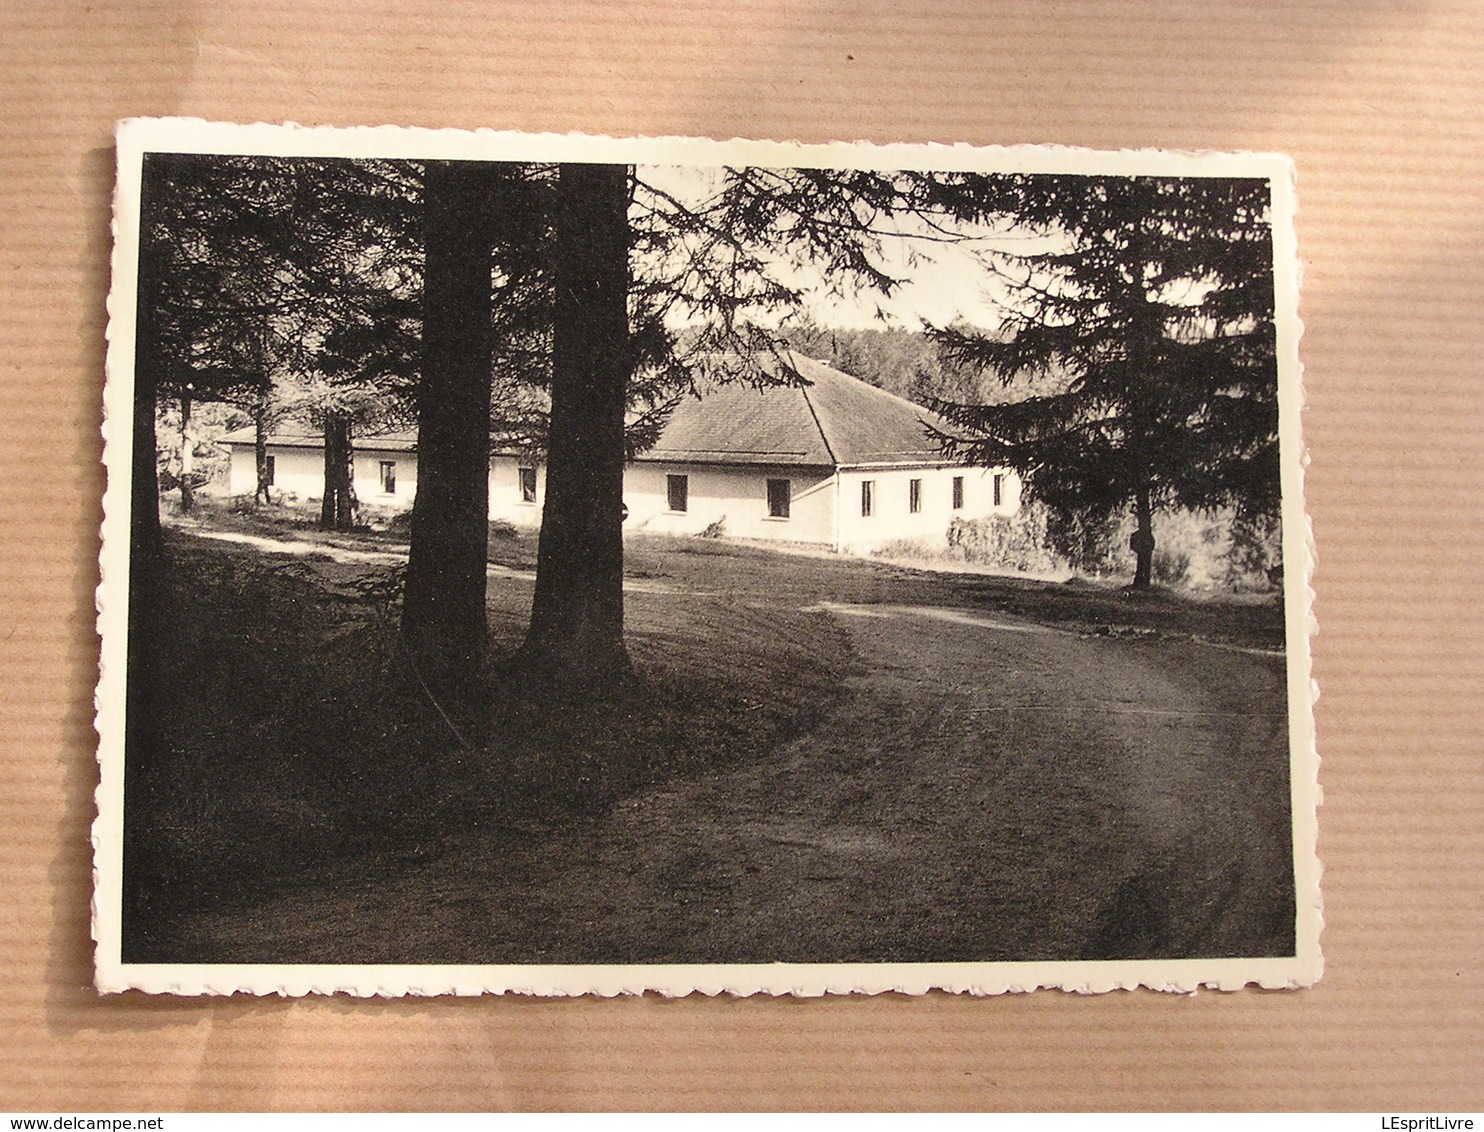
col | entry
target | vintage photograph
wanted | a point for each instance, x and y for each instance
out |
(574, 565)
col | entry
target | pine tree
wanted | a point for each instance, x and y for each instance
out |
(443, 619)
(655, 297)
(278, 285)
(1145, 311)
(576, 633)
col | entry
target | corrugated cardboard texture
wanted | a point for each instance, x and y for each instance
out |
(1378, 103)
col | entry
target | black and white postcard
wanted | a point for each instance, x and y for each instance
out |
(567, 565)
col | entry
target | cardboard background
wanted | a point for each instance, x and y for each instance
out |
(1380, 106)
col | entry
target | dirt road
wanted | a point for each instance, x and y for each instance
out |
(984, 788)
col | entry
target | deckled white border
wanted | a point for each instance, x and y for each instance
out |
(180, 135)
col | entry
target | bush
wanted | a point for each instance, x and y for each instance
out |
(170, 479)
(1172, 567)
(717, 529)
(242, 505)
(374, 518)
(1089, 543)
(1017, 542)
(911, 548)
(1218, 550)
(1255, 561)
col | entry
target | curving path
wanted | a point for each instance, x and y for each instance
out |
(985, 788)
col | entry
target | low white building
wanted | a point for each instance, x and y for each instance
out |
(836, 463)
(385, 472)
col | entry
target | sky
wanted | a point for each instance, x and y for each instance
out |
(944, 282)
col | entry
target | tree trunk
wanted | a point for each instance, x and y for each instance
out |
(187, 456)
(575, 642)
(338, 509)
(142, 869)
(144, 488)
(1141, 542)
(262, 493)
(443, 616)
(143, 874)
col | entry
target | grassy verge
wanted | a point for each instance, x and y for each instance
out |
(293, 745)
(783, 781)
(1104, 608)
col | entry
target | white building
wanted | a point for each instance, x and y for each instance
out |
(385, 467)
(837, 463)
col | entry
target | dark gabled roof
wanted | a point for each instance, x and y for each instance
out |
(834, 421)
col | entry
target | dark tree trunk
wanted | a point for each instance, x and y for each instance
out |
(144, 489)
(262, 493)
(1141, 542)
(1146, 334)
(142, 869)
(443, 616)
(575, 643)
(338, 510)
(187, 457)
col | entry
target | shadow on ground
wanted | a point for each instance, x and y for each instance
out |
(832, 760)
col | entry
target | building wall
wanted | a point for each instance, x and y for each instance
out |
(506, 499)
(368, 479)
(892, 517)
(299, 474)
(736, 497)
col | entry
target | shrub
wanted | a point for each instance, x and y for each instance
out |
(1255, 562)
(1018, 542)
(242, 505)
(375, 518)
(169, 479)
(1090, 543)
(911, 548)
(1219, 550)
(1172, 567)
(717, 529)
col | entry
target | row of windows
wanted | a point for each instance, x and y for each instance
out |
(386, 474)
(677, 490)
(780, 495)
(677, 493)
(914, 495)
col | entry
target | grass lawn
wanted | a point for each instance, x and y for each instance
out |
(833, 759)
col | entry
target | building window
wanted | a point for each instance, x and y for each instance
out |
(868, 498)
(999, 489)
(780, 494)
(388, 477)
(270, 466)
(677, 489)
(527, 485)
(958, 493)
(914, 496)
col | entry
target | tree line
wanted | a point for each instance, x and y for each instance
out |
(568, 307)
